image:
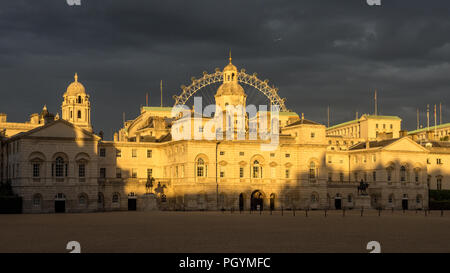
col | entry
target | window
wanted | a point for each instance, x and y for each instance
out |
(149, 153)
(118, 153)
(82, 200)
(36, 169)
(330, 159)
(389, 174)
(402, 173)
(134, 153)
(418, 199)
(391, 199)
(200, 168)
(79, 114)
(102, 152)
(439, 183)
(341, 176)
(313, 198)
(287, 173)
(102, 172)
(222, 153)
(313, 134)
(384, 126)
(376, 125)
(115, 198)
(428, 181)
(272, 172)
(222, 174)
(288, 155)
(256, 171)
(356, 176)
(374, 176)
(349, 198)
(272, 154)
(133, 173)
(118, 173)
(438, 161)
(37, 200)
(428, 161)
(81, 170)
(312, 170)
(416, 176)
(374, 158)
(241, 172)
(59, 167)
(391, 126)
(149, 173)
(330, 177)
(241, 153)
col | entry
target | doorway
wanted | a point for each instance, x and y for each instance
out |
(405, 204)
(257, 201)
(272, 201)
(60, 203)
(338, 203)
(132, 204)
(241, 201)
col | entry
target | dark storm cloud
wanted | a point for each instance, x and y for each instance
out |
(318, 53)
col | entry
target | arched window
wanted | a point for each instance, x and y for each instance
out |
(115, 198)
(59, 167)
(389, 174)
(79, 99)
(418, 199)
(256, 169)
(201, 168)
(402, 173)
(391, 199)
(350, 198)
(79, 114)
(82, 200)
(416, 175)
(312, 171)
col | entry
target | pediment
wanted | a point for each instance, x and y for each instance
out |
(61, 129)
(405, 144)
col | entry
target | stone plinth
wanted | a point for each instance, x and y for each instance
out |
(147, 202)
(362, 201)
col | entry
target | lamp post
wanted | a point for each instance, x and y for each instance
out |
(217, 182)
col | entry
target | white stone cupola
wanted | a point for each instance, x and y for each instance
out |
(230, 92)
(76, 107)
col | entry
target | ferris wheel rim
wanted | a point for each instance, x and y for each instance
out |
(252, 80)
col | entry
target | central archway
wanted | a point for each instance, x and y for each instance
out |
(257, 200)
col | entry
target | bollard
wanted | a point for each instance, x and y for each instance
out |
(325, 213)
(442, 212)
(343, 212)
(293, 211)
(416, 211)
(282, 211)
(306, 213)
(379, 212)
(362, 210)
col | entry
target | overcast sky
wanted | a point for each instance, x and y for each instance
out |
(318, 53)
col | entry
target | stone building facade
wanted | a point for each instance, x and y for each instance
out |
(61, 165)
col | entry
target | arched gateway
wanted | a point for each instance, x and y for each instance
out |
(257, 200)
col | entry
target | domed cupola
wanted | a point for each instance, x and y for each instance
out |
(76, 107)
(75, 88)
(230, 92)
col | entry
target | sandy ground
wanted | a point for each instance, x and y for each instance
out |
(226, 232)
